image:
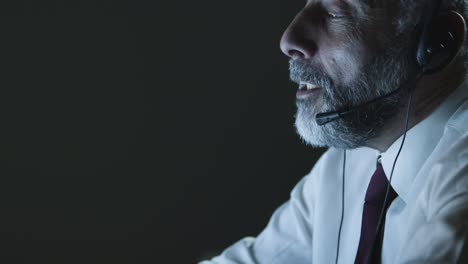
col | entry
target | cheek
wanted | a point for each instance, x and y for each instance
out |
(345, 63)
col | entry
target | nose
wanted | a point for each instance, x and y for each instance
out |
(296, 40)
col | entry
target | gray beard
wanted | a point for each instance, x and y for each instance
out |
(383, 75)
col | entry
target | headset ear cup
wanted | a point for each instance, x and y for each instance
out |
(421, 53)
(438, 47)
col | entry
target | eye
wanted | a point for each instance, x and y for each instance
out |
(335, 15)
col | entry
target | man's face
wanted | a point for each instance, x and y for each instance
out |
(344, 53)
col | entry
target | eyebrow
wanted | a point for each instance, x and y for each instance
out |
(358, 6)
(346, 3)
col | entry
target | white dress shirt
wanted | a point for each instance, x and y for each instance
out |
(426, 223)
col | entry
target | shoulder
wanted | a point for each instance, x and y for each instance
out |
(447, 184)
(458, 122)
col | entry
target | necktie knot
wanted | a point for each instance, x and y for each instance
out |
(375, 194)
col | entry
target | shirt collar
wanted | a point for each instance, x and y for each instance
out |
(419, 143)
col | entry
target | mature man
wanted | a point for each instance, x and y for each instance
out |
(382, 83)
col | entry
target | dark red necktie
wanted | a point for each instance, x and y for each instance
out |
(373, 206)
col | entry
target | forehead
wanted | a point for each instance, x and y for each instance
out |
(358, 5)
(341, 2)
(377, 9)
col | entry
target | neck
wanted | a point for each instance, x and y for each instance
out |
(429, 93)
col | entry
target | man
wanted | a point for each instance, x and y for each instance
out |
(379, 194)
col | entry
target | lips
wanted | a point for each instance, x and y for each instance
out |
(307, 89)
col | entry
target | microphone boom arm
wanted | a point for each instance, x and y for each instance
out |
(327, 117)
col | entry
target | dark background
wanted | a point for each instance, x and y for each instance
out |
(143, 131)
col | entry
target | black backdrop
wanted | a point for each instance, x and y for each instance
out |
(142, 131)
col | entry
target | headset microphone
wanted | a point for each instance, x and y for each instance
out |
(327, 117)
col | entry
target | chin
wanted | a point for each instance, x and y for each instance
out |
(332, 135)
(308, 130)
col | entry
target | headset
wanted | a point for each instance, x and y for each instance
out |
(436, 48)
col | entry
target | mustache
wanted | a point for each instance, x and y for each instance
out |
(301, 70)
